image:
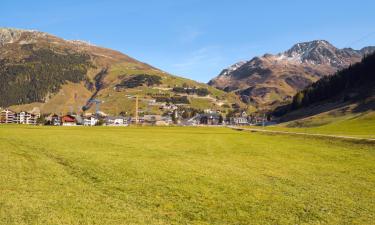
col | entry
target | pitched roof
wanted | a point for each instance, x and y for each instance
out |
(68, 118)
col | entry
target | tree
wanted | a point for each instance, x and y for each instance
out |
(100, 122)
(230, 114)
(41, 120)
(297, 100)
(185, 114)
(221, 119)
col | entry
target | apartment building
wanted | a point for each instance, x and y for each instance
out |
(25, 118)
(7, 116)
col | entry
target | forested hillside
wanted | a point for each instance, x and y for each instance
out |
(353, 84)
(357, 81)
(40, 74)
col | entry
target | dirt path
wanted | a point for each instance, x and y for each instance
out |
(301, 133)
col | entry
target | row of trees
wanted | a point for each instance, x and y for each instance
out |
(192, 91)
(173, 99)
(139, 80)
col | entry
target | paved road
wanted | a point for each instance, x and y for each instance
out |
(301, 133)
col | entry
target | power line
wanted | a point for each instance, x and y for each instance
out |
(361, 39)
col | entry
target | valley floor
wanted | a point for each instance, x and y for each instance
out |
(174, 175)
(334, 122)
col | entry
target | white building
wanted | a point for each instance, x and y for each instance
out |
(116, 121)
(7, 116)
(239, 121)
(90, 121)
(25, 118)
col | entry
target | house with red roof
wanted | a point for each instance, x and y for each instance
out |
(68, 120)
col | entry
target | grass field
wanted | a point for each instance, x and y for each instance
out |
(354, 125)
(101, 175)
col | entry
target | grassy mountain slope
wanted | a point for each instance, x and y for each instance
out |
(41, 72)
(344, 120)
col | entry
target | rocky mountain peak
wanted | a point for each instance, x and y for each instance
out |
(232, 68)
(308, 47)
(315, 52)
(11, 35)
(8, 35)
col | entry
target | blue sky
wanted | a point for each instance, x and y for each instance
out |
(197, 38)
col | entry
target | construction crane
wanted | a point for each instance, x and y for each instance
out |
(136, 111)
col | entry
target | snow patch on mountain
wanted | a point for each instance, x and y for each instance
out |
(232, 68)
(80, 42)
(272, 78)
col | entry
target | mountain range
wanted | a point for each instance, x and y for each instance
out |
(270, 80)
(44, 73)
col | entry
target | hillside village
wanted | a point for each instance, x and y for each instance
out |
(165, 107)
(208, 117)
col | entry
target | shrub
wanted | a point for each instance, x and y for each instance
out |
(139, 80)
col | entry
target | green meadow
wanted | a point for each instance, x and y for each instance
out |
(176, 175)
(360, 125)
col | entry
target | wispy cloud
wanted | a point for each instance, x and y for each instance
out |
(200, 63)
(190, 34)
(206, 55)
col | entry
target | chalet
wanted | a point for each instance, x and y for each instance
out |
(151, 119)
(157, 120)
(55, 120)
(239, 121)
(90, 121)
(168, 106)
(210, 119)
(259, 120)
(116, 121)
(140, 120)
(68, 120)
(205, 119)
(192, 121)
(7, 116)
(166, 120)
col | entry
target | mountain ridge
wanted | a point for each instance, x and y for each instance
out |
(349, 91)
(271, 79)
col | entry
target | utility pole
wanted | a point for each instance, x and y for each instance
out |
(264, 117)
(136, 109)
